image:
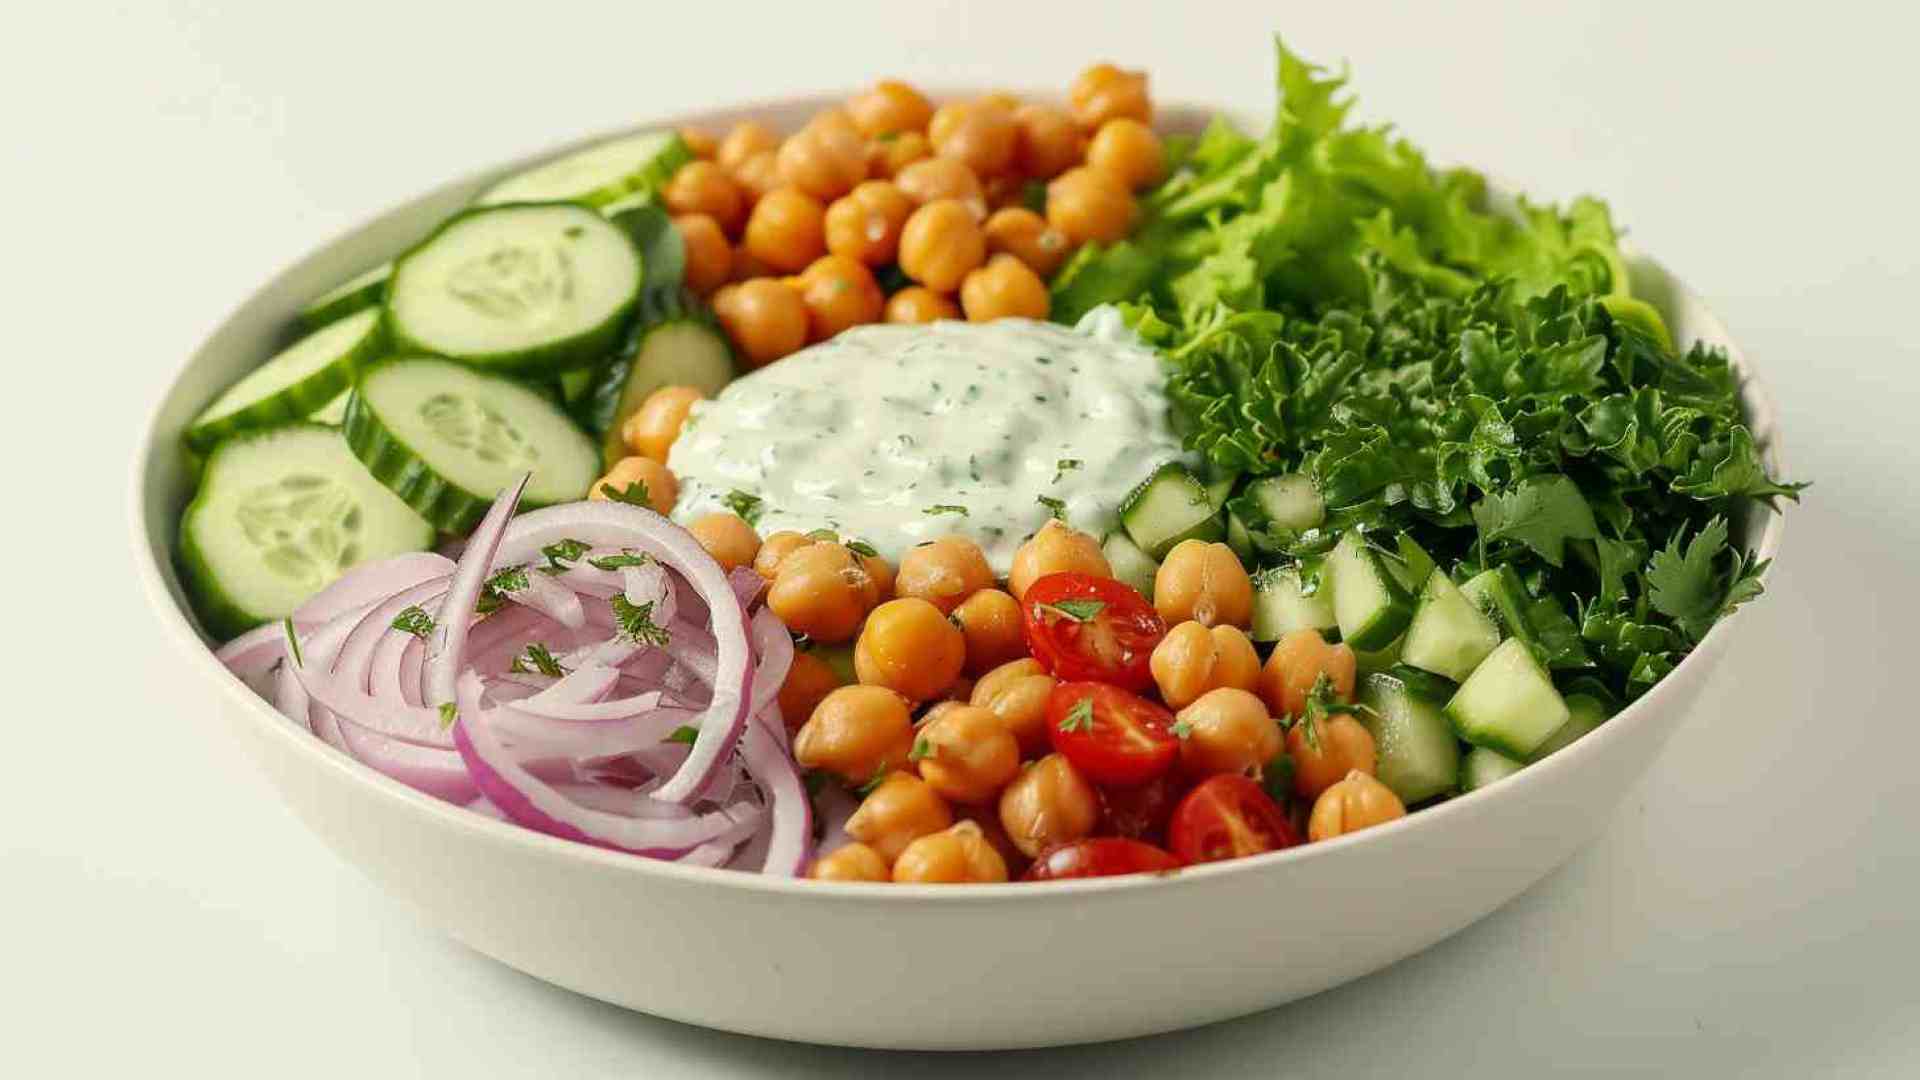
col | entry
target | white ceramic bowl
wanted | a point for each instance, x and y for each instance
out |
(944, 967)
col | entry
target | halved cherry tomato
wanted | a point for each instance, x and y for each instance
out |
(1110, 735)
(1084, 627)
(1102, 856)
(1140, 811)
(1228, 817)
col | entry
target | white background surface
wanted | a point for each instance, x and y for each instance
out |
(1754, 909)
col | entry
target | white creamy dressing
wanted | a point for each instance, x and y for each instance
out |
(883, 431)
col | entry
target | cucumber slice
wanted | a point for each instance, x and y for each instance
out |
(1584, 713)
(1509, 703)
(1480, 766)
(355, 294)
(1414, 560)
(599, 174)
(1369, 603)
(1372, 661)
(298, 380)
(1279, 608)
(531, 287)
(333, 413)
(1239, 539)
(1289, 503)
(1131, 566)
(1416, 752)
(1449, 635)
(446, 439)
(1169, 506)
(280, 514)
(662, 252)
(1219, 489)
(674, 342)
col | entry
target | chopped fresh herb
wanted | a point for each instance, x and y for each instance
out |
(414, 620)
(293, 642)
(922, 748)
(511, 580)
(823, 534)
(1182, 728)
(973, 468)
(685, 734)
(1277, 778)
(1056, 507)
(636, 621)
(1077, 610)
(620, 560)
(634, 494)
(447, 713)
(814, 781)
(537, 659)
(744, 503)
(861, 547)
(945, 508)
(880, 774)
(563, 551)
(1079, 717)
(1064, 466)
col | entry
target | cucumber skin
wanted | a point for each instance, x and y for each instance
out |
(395, 465)
(674, 154)
(372, 294)
(605, 407)
(301, 400)
(581, 350)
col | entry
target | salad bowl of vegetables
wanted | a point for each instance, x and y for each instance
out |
(1240, 562)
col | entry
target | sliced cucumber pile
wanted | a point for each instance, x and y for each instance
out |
(1170, 506)
(301, 379)
(279, 515)
(1280, 607)
(674, 342)
(446, 439)
(599, 174)
(1509, 703)
(1370, 604)
(532, 287)
(662, 251)
(355, 294)
(1449, 634)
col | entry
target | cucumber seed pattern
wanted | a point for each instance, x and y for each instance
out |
(521, 284)
(307, 528)
(475, 427)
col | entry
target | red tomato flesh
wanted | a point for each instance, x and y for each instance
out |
(1110, 735)
(1105, 856)
(1083, 627)
(1228, 817)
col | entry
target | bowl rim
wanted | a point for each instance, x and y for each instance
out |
(1762, 417)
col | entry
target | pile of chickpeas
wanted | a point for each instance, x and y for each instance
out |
(785, 236)
(938, 716)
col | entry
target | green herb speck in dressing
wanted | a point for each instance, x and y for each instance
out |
(856, 427)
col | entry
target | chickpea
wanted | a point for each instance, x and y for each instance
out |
(1296, 663)
(998, 99)
(709, 258)
(966, 753)
(765, 318)
(1048, 803)
(809, 681)
(850, 862)
(749, 137)
(1017, 692)
(1104, 92)
(1088, 204)
(1203, 582)
(902, 809)
(826, 158)
(727, 537)
(1049, 143)
(1003, 191)
(702, 187)
(1355, 803)
(881, 573)
(944, 571)
(981, 134)
(1324, 749)
(822, 591)
(888, 155)
(1228, 731)
(700, 142)
(787, 229)
(959, 854)
(941, 243)
(1025, 235)
(1129, 151)
(856, 732)
(990, 621)
(909, 647)
(774, 550)
(1193, 659)
(988, 818)
(937, 178)
(653, 427)
(865, 223)
(888, 108)
(757, 176)
(1005, 288)
(745, 268)
(660, 486)
(1055, 549)
(919, 304)
(839, 292)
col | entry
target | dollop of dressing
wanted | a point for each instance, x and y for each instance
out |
(898, 434)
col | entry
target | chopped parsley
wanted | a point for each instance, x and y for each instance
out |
(414, 620)
(493, 595)
(1056, 507)
(1182, 729)
(1078, 610)
(744, 503)
(861, 547)
(636, 621)
(634, 494)
(623, 559)
(563, 551)
(922, 748)
(1064, 466)
(1079, 717)
(537, 659)
(293, 642)
(685, 734)
(946, 508)
(447, 713)
(880, 774)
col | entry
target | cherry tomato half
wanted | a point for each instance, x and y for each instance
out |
(1140, 811)
(1228, 817)
(1084, 627)
(1110, 735)
(1104, 856)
